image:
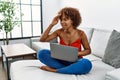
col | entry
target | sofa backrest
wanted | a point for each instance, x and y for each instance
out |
(99, 42)
(88, 32)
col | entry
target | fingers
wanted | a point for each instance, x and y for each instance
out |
(58, 16)
(56, 19)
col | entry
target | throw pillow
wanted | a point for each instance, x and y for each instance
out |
(112, 51)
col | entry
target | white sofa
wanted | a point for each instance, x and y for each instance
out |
(98, 38)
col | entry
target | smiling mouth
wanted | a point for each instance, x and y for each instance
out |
(63, 26)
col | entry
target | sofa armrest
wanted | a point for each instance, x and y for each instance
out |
(37, 39)
(113, 75)
(37, 45)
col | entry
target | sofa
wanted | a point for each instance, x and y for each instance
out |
(98, 39)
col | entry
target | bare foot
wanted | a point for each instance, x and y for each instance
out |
(47, 68)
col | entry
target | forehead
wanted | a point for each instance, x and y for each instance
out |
(64, 16)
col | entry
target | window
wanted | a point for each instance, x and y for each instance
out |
(31, 21)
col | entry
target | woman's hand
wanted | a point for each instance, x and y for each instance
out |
(56, 19)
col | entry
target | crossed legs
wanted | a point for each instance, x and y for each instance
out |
(82, 66)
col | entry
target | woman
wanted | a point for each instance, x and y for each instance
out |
(69, 35)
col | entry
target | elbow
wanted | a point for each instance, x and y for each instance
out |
(42, 40)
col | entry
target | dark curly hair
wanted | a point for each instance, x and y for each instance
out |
(73, 14)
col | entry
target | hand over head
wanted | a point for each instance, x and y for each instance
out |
(56, 19)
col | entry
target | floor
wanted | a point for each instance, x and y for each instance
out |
(3, 75)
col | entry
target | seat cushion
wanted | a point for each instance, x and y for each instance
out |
(92, 57)
(98, 71)
(99, 42)
(29, 70)
(113, 75)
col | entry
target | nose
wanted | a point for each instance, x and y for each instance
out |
(62, 21)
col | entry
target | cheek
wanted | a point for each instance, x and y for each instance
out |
(71, 22)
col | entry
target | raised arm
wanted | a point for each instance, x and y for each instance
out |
(46, 36)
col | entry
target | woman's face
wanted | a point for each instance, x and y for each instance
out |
(66, 22)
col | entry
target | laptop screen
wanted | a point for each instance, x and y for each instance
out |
(62, 52)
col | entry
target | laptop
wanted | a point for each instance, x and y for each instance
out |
(62, 52)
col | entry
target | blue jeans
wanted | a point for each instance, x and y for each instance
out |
(82, 66)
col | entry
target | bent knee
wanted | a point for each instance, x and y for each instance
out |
(42, 53)
(87, 65)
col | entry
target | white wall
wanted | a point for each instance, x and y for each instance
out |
(50, 9)
(103, 14)
(97, 13)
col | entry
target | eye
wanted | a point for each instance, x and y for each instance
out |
(65, 19)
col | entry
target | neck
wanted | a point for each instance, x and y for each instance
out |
(69, 30)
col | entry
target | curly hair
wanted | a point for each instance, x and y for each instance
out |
(73, 14)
